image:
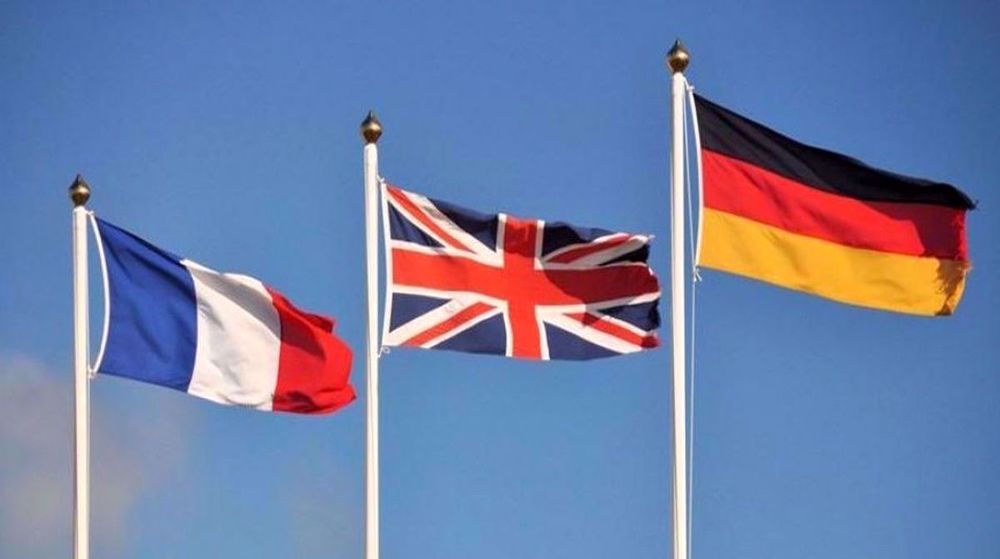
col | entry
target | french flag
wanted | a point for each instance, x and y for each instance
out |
(227, 338)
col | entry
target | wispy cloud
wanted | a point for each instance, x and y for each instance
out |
(323, 501)
(36, 462)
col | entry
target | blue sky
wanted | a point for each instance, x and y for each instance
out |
(228, 133)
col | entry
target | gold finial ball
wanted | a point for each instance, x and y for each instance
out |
(79, 191)
(678, 57)
(371, 128)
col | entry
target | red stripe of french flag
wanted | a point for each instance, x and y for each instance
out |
(313, 364)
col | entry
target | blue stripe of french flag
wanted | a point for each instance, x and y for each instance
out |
(227, 338)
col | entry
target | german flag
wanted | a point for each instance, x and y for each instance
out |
(816, 221)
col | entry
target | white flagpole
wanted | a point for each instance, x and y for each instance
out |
(371, 130)
(79, 193)
(677, 60)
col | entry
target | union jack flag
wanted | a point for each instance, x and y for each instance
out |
(466, 281)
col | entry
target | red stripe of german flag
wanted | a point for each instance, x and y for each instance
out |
(817, 221)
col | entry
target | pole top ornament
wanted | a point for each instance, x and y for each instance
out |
(79, 191)
(678, 57)
(371, 128)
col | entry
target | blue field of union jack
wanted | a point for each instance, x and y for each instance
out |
(466, 281)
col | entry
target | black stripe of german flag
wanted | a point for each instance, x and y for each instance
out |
(817, 221)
